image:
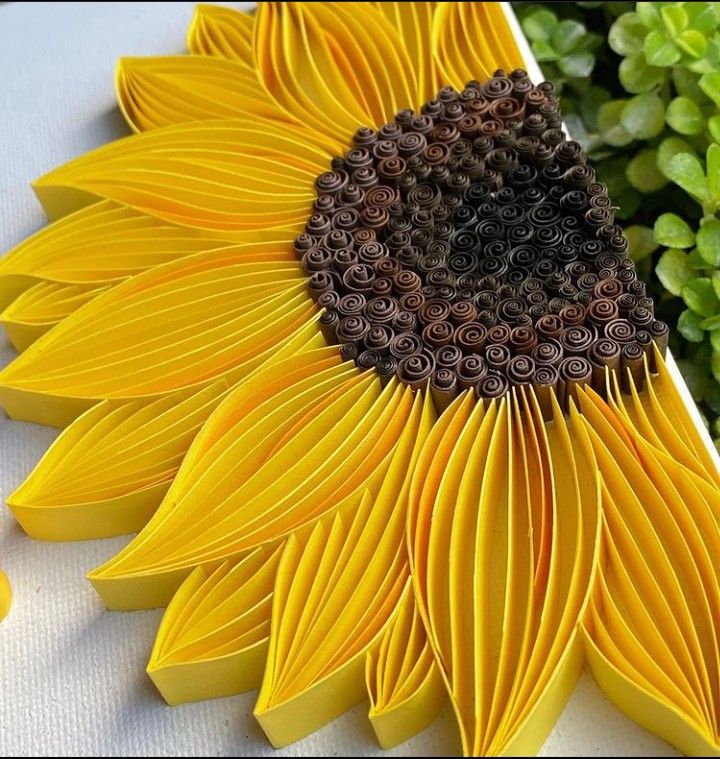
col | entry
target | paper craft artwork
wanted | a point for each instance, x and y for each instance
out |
(348, 335)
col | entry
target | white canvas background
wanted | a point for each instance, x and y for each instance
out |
(72, 678)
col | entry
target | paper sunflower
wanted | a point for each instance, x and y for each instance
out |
(348, 333)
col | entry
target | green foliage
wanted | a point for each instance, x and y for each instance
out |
(645, 102)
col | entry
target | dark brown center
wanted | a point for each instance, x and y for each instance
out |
(470, 246)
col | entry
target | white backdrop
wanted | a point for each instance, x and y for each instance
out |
(72, 678)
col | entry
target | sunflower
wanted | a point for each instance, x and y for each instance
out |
(347, 333)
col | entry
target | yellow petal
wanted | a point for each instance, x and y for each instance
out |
(94, 247)
(5, 595)
(41, 307)
(224, 32)
(181, 325)
(471, 40)
(511, 657)
(403, 682)
(157, 91)
(229, 175)
(333, 66)
(414, 24)
(334, 597)
(213, 639)
(277, 454)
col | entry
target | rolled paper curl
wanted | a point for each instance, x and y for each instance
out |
(434, 310)
(462, 312)
(641, 317)
(497, 87)
(382, 286)
(465, 241)
(545, 267)
(324, 204)
(524, 257)
(576, 341)
(429, 292)
(535, 125)
(471, 337)
(597, 217)
(632, 361)
(525, 145)
(544, 381)
(542, 155)
(387, 267)
(381, 196)
(621, 331)
(469, 125)
(547, 236)
(502, 160)
(416, 370)
(515, 276)
(602, 311)
(352, 304)
(471, 165)
(368, 359)
(318, 224)
(360, 158)
(411, 301)
(328, 322)
(510, 309)
(346, 219)
(587, 282)
(303, 242)
(365, 177)
(320, 282)
(574, 371)
(512, 214)
(637, 288)
(438, 333)
(660, 333)
(458, 182)
(439, 176)
(331, 182)
(482, 145)
(316, 259)
(574, 201)
(364, 136)
(406, 183)
(608, 288)
(487, 299)
(386, 368)
(520, 370)
(348, 351)
(469, 370)
(453, 112)
(603, 353)
(645, 340)
(384, 149)
(579, 177)
(570, 153)
(462, 263)
(551, 176)
(447, 292)
(506, 291)
(573, 315)
(497, 356)
(352, 329)
(443, 387)
(647, 303)
(491, 386)
(543, 215)
(329, 299)
(617, 244)
(549, 352)
(405, 344)
(626, 276)
(382, 310)
(487, 318)
(504, 108)
(359, 278)
(448, 356)
(391, 169)
(436, 153)
(404, 321)
(600, 201)
(378, 338)
(566, 254)
(429, 263)
(537, 298)
(523, 339)
(583, 297)
(406, 281)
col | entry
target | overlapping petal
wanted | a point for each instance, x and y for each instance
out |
(230, 176)
(213, 639)
(403, 681)
(224, 32)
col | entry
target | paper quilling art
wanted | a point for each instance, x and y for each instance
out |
(348, 333)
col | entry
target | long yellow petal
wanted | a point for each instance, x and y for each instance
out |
(5, 595)
(224, 32)
(229, 175)
(213, 639)
(158, 91)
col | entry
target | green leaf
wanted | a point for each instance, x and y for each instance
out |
(699, 295)
(686, 171)
(686, 83)
(715, 341)
(684, 116)
(712, 160)
(710, 60)
(702, 16)
(627, 34)
(567, 35)
(543, 51)
(673, 271)
(673, 232)
(643, 173)
(577, 64)
(641, 241)
(692, 42)
(648, 14)
(636, 76)
(710, 85)
(714, 127)
(674, 18)
(697, 262)
(608, 121)
(708, 242)
(659, 50)
(716, 282)
(689, 326)
(643, 116)
(711, 323)
(668, 149)
(695, 378)
(539, 24)
(715, 366)
(712, 397)
(590, 101)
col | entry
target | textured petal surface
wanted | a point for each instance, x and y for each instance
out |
(213, 639)
(212, 314)
(231, 175)
(496, 501)
(272, 458)
(403, 681)
(335, 595)
(224, 32)
(156, 92)
(5, 595)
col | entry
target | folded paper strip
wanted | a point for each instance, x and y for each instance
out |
(315, 532)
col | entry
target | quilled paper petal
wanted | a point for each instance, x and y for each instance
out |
(471, 40)
(414, 23)
(224, 32)
(215, 313)
(213, 639)
(273, 457)
(231, 175)
(332, 600)
(156, 92)
(5, 595)
(41, 307)
(404, 684)
(334, 66)
(502, 496)
(96, 246)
